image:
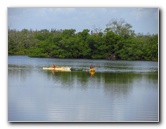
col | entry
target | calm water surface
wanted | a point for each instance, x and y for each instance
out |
(118, 91)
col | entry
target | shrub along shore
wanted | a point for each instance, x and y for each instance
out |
(117, 42)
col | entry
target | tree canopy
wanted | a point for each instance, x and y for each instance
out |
(117, 42)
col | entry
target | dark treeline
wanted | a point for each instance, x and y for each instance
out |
(118, 41)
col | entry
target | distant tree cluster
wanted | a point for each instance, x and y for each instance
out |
(117, 42)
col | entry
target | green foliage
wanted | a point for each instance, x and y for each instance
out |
(118, 41)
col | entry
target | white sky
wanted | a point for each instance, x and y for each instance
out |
(143, 20)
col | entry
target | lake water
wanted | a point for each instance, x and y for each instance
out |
(119, 91)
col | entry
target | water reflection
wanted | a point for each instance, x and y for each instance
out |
(38, 95)
(120, 81)
(91, 73)
(123, 82)
(18, 76)
(113, 82)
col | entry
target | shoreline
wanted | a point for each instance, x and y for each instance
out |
(81, 58)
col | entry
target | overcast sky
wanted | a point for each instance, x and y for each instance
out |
(143, 20)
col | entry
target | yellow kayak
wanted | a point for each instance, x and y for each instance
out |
(92, 70)
(65, 69)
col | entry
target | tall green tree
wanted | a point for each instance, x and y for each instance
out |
(117, 41)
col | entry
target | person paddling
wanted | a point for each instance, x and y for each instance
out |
(91, 66)
(53, 66)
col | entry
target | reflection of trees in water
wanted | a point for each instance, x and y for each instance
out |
(152, 78)
(122, 83)
(69, 79)
(73, 79)
(116, 83)
(18, 73)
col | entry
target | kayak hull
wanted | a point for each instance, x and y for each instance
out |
(92, 70)
(65, 69)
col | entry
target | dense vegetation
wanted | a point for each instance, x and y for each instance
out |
(117, 41)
